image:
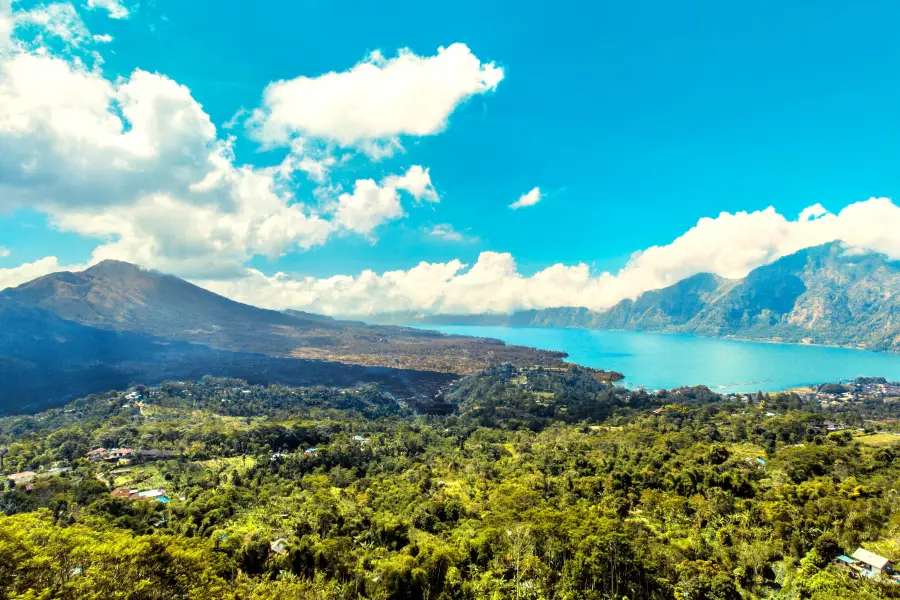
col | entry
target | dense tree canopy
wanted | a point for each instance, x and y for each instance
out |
(544, 484)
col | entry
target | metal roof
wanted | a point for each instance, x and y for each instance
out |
(870, 558)
(846, 559)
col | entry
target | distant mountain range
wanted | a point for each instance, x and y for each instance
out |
(69, 334)
(820, 295)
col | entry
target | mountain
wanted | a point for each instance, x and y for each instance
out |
(121, 296)
(68, 334)
(824, 295)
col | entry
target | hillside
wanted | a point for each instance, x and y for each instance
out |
(123, 297)
(821, 295)
(67, 334)
(544, 483)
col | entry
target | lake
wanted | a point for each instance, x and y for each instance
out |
(655, 360)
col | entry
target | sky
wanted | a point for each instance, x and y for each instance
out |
(352, 158)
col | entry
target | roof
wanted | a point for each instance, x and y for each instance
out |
(279, 546)
(870, 558)
(23, 476)
(846, 559)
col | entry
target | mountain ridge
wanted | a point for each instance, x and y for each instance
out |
(826, 295)
(81, 332)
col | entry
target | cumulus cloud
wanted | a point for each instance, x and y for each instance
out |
(14, 276)
(58, 20)
(371, 204)
(367, 207)
(116, 9)
(4, 252)
(529, 199)
(137, 163)
(416, 181)
(103, 38)
(730, 245)
(378, 100)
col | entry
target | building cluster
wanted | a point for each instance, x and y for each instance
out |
(126, 454)
(111, 455)
(27, 477)
(862, 389)
(157, 494)
(863, 563)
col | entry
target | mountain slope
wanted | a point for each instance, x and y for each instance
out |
(823, 295)
(121, 297)
(46, 360)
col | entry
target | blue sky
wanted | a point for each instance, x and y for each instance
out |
(634, 120)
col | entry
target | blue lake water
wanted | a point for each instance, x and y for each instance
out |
(657, 361)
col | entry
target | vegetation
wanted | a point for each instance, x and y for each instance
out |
(543, 483)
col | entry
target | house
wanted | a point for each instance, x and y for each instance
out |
(97, 454)
(151, 494)
(279, 546)
(134, 494)
(122, 493)
(23, 477)
(55, 471)
(120, 453)
(875, 564)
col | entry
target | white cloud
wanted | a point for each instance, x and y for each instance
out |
(446, 232)
(137, 163)
(367, 207)
(115, 8)
(371, 204)
(377, 100)
(26, 272)
(529, 199)
(4, 252)
(6, 24)
(59, 20)
(103, 38)
(812, 212)
(730, 245)
(416, 181)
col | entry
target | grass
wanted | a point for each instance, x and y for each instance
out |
(747, 450)
(142, 477)
(879, 439)
(241, 464)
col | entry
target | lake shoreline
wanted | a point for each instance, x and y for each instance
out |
(664, 360)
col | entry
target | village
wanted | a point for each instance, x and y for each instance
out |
(118, 457)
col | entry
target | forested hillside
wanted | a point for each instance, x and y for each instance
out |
(543, 483)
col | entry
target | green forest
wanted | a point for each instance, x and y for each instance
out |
(542, 483)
